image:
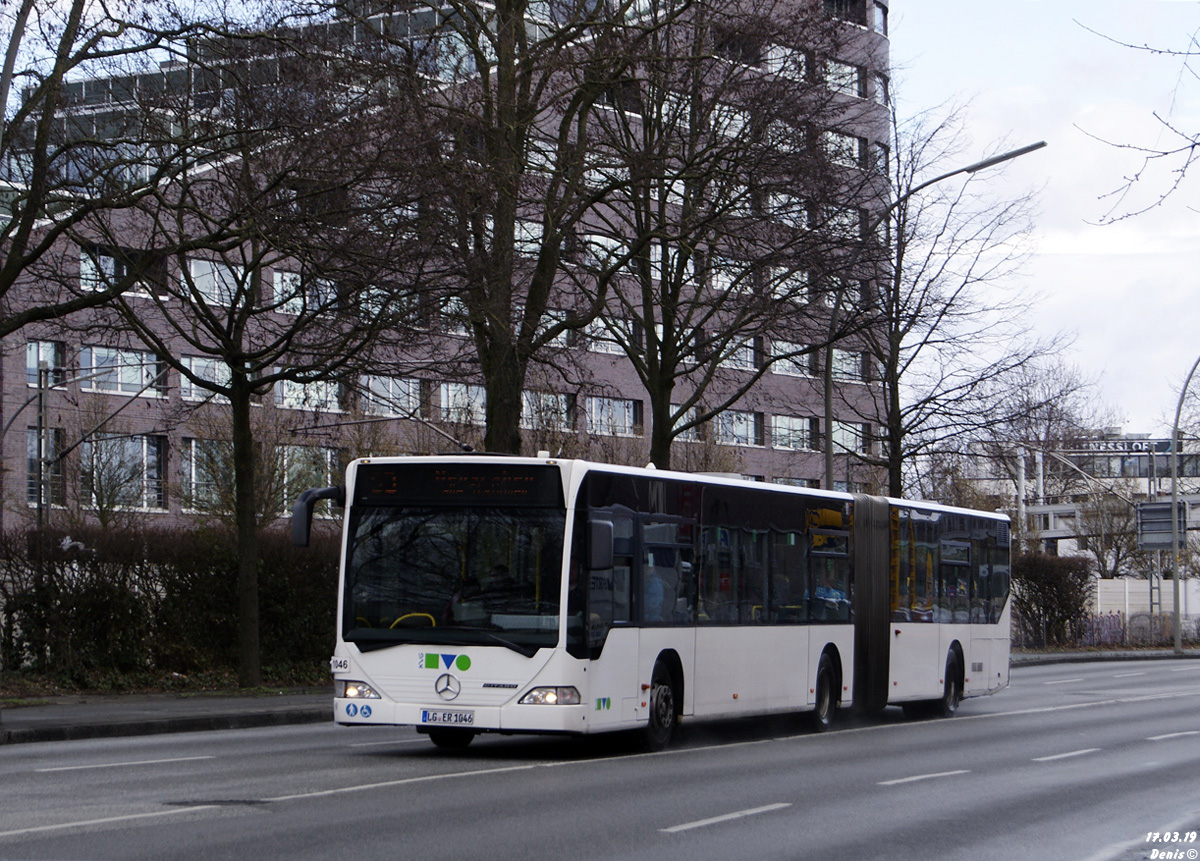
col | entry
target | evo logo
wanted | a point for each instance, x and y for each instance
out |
(430, 661)
(603, 704)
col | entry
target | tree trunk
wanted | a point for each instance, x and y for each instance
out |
(660, 429)
(504, 378)
(249, 666)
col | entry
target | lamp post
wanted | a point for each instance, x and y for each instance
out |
(1175, 617)
(827, 371)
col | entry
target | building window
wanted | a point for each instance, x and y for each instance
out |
(850, 436)
(455, 319)
(206, 368)
(744, 356)
(846, 79)
(792, 359)
(880, 90)
(691, 434)
(101, 268)
(729, 121)
(614, 417)
(204, 463)
(215, 283)
(738, 427)
(54, 487)
(307, 466)
(463, 404)
(121, 372)
(787, 62)
(879, 18)
(390, 396)
(53, 354)
(794, 433)
(527, 238)
(846, 10)
(882, 160)
(299, 294)
(813, 483)
(125, 471)
(547, 411)
(845, 223)
(791, 285)
(789, 210)
(604, 252)
(319, 395)
(847, 366)
(726, 273)
(845, 149)
(610, 335)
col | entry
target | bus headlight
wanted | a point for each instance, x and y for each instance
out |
(354, 691)
(567, 696)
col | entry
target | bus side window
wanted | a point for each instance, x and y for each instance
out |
(789, 577)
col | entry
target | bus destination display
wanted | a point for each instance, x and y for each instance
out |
(458, 484)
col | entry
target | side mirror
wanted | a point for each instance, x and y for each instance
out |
(600, 545)
(303, 509)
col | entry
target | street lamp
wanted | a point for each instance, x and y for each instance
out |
(827, 373)
(1176, 619)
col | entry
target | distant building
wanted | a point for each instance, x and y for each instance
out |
(97, 425)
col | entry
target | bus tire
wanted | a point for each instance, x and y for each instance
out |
(821, 717)
(951, 688)
(451, 739)
(658, 731)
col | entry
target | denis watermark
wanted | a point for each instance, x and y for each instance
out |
(1173, 845)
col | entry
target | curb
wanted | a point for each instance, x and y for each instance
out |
(1043, 660)
(122, 729)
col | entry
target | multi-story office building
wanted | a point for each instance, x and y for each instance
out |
(103, 421)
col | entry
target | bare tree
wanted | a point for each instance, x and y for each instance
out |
(950, 335)
(1106, 526)
(732, 169)
(273, 277)
(1166, 162)
(501, 97)
(71, 158)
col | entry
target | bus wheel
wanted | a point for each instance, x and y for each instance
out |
(451, 739)
(657, 733)
(951, 689)
(822, 713)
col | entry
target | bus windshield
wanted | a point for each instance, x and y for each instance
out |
(444, 575)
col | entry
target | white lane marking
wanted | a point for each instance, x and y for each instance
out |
(123, 764)
(1185, 669)
(917, 777)
(1173, 735)
(1062, 681)
(700, 823)
(403, 781)
(1086, 750)
(1126, 675)
(130, 817)
(390, 743)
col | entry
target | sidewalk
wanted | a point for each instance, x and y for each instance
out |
(84, 716)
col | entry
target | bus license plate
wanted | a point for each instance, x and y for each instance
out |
(452, 718)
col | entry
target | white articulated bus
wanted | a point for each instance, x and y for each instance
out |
(513, 595)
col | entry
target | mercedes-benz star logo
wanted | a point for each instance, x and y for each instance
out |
(447, 687)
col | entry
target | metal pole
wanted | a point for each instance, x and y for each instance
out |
(1175, 505)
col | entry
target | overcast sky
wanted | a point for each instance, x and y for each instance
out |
(1129, 292)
